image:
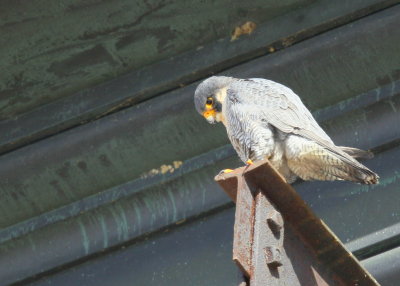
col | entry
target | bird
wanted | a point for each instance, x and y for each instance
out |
(267, 120)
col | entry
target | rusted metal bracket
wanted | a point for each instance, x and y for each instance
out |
(278, 240)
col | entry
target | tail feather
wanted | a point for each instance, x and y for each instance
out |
(357, 153)
(318, 163)
(359, 174)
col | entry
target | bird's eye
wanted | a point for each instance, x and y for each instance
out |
(209, 101)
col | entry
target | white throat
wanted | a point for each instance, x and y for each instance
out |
(220, 96)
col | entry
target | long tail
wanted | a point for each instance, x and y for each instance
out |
(359, 174)
(362, 173)
(357, 153)
(318, 163)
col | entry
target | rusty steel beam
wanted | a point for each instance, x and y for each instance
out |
(278, 240)
(244, 229)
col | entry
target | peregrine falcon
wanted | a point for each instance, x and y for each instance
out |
(267, 120)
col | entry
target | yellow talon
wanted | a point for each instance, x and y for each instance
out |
(249, 162)
(225, 171)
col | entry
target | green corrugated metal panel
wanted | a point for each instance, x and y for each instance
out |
(69, 45)
(70, 196)
(115, 149)
(144, 83)
(198, 253)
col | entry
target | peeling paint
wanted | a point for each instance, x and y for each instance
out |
(163, 169)
(245, 29)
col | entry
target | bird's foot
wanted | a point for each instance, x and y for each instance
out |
(225, 171)
(248, 164)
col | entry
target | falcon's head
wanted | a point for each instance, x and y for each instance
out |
(209, 97)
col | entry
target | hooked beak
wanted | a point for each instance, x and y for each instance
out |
(209, 115)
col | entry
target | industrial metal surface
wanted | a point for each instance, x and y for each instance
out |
(385, 266)
(96, 57)
(79, 192)
(44, 174)
(278, 240)
(194, 253)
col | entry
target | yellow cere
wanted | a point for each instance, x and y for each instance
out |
(209, 106)
(209, 113)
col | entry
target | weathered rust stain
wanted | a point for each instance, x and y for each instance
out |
(278, 238)
(163, 169)
(245, 29)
